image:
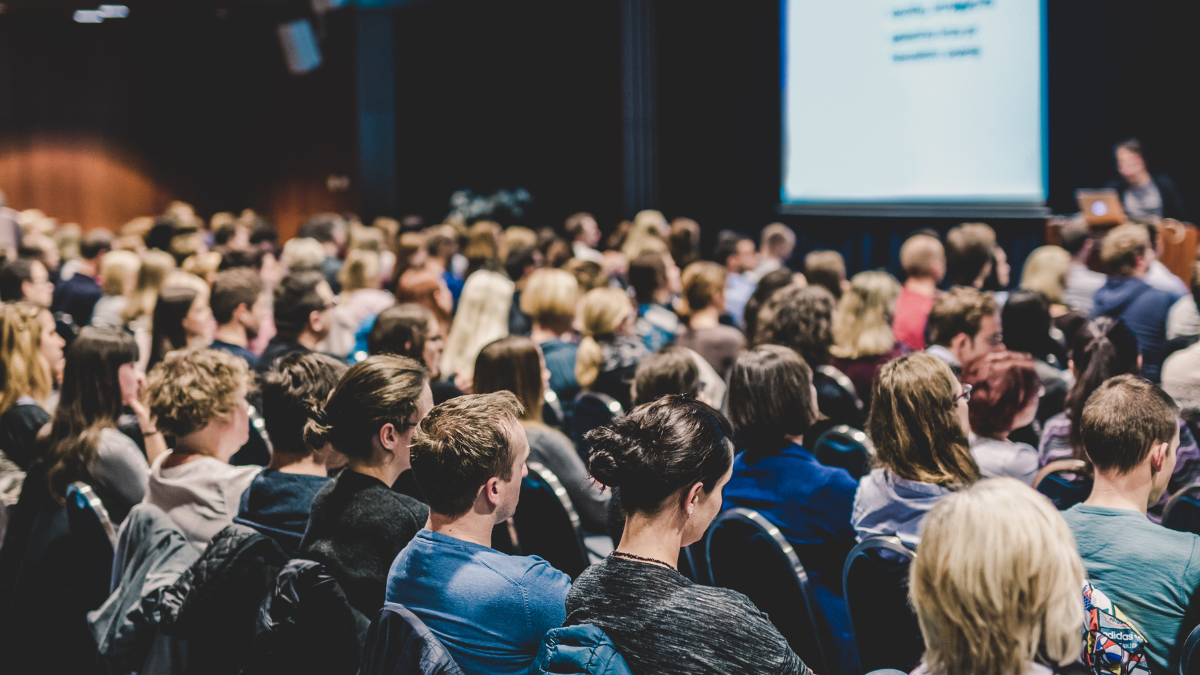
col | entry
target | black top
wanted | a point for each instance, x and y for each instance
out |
(18, 432)
(663, 623)
(246, 355)
(356, 528)
(1172, 201)
(77, 296)
(276, 349)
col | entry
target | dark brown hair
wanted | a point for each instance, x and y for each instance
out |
(296, 298)
(401, 330)
(770, 397)
(770, 282)
(379, 390)
(167, 333)
(968, 250)
(801, 318)
(294, 385)
(512, 364)
(1123, 419)
(1103, 349)
(826, 269)
(670, 370)
(232, 288)
(462, 444)
(647, 274)
(1004, 384)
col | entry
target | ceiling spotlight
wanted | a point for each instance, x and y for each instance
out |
(114, 11)
(89, 16)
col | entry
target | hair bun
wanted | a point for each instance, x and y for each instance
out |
(614, 457)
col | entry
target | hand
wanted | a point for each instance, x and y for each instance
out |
(464, 381)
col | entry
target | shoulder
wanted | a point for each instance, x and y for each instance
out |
(112, 440)
(403, 504)
(543, 576)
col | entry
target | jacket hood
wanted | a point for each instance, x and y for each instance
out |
(1116, 294)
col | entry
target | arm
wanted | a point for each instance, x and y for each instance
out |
(156, 444)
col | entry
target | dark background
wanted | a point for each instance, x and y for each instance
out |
(523, 93)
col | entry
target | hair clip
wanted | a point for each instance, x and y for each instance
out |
(322, 417)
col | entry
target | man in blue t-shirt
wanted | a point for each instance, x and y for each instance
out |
(1130, 430)
(489, 609)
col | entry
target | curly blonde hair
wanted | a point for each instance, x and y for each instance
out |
(191, 387)
(862, 325)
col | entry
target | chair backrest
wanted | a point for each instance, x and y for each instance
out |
(399, 643)
(93, 533)
(82, 502)
(875, 583)
(592, 410)
(1064, 482)
(748, 554)
(1189, 656)
(1182, 512)
(547, 524)
(846, 448)
(843, 381)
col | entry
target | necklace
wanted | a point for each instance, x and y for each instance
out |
(631, 556)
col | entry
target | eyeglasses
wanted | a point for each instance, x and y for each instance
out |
(965, 395)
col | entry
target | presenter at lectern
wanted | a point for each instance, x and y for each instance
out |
(1144, 196)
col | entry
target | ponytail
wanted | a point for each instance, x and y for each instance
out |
(588, 361)
(602, 312)
(1103, 349)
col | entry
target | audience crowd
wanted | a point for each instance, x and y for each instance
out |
(287, 442)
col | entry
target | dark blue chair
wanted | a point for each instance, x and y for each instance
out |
(94, 534)
(1065, 482)
(748, 554)
(1182, 512)
(399, 643)
(1189, 654)
(592, 410)
(546, 523)
(846, 448)
(875, 583)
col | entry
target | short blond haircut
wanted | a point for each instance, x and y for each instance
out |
(191, 387)
(550, 297)
(302, 253)
(997, 582)
(118, 268)
(1121, 248)
(921, 254)
(862, 325)
(702, 282)
(1046, 271)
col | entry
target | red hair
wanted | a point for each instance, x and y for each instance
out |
(1004, 384)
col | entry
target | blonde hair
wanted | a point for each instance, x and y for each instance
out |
(862, 324)
(360, 271)
(118, 268)
(190, 387)
(601, 313)
(513, 237)
(702, 282)
(151, 276)
(1121, 248)
(203, 265)
(302, 253)
(920, 254)
(1046, 271)
(996, 583)
(482, 318)
(648, 226)
(550, 297)
(25, 371)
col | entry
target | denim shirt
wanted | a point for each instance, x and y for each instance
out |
(886, 504)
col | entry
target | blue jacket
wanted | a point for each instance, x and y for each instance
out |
(578, 650)
(1143, 310)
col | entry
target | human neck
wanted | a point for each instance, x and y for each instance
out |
(659, 537)
(308, 340)
(1130, 491)
(387, 473)
(540, 333)
(288, 462)
(1139, 179)
(232, 333)
(472, 526)
(193, 446)
(435, 265)
(921, 286)
(88, 268)
(706, 318)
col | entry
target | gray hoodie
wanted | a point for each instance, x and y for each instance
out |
(886, 504)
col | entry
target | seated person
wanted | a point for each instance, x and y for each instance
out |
(862, 330)
(654, 279)
(670, 370)
(827, 269)
(1130, 430)
(358, 523)
(489, 609)
(963, 325)
(671, 459)
(772, 409)
(1004, 398)
(924, 263)
(609, 352)
(1030, 327)
(412, 330)
(550, 298)
(239, 308)
(199, 397)
(303, 304)
(970, 252)
(703, 299)
(996, 587)
(919, 426)
(280, 498)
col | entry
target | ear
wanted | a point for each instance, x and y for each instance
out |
(314, 320)
(388, 437)
(693, 498)
(492, 490)
(959, 341)
(1158, 457)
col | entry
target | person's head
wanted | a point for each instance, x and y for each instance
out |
(1027, 316)
(482, 317)
(180, 314)
(296, 384)
(237, 298)
(769, 283)
(441, 245)
(684, 241)
(1005, 394)
(522, 260)
(964, 321)
(409, 330)
(1103, 349)
(302, 303)
(99, 377)
(1046, 271)
(923, 257)
(410, 253)
(25, 369)
(199, 397)
(604, 313)
(826, 269)
(996, 586)
(669, 459)
(328, 229)
(735, 251)
(1131, 160)
(771, 398)
(302, 253)
(582, 227)
(670, 370)
(1131, 427)
(371, 414)
(468, 456)
(649, 279)
(156, 266)
(95, 244)
(703, 287)
(862, 325)
(1076, 239)
(969, 254)
(513, 364)
(778, 241)
(118, 271)
(26, 280)
(1000, 275)
(1125, 251)
(549, 298)
(800, 318)
(919, 421)
(361, 270)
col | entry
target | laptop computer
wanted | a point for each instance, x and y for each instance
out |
(1101, 207)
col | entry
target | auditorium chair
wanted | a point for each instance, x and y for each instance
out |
(875, 582)
(748, 554)
(399, 643)
(546, 524)
(94, 533)
(1056, 482)
(1183, 512)
(846, 448)
(592, 410)
(1189, 654)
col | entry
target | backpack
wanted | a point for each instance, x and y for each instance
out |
(1111, 644)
